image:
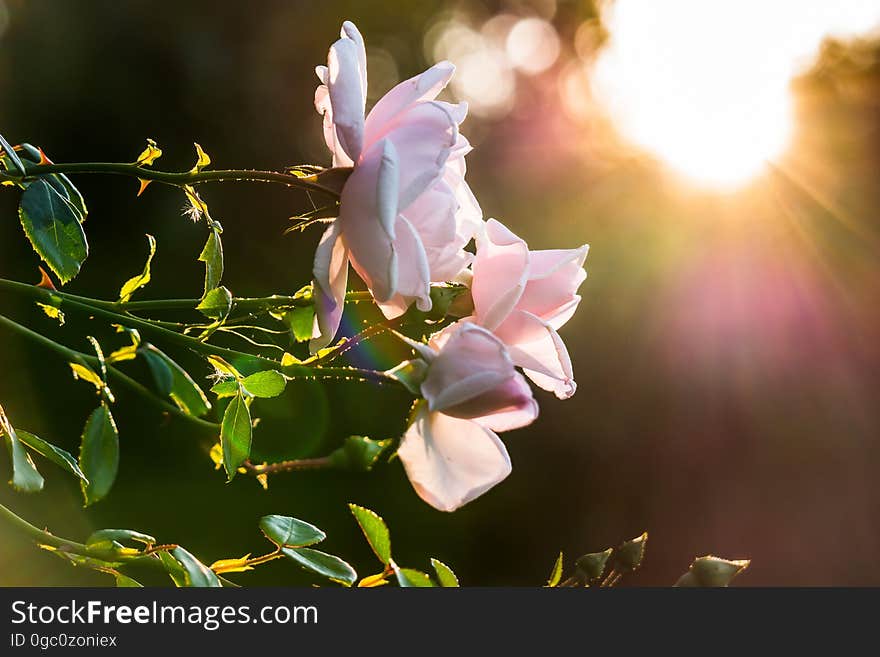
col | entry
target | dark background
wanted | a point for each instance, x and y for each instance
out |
(726, 349)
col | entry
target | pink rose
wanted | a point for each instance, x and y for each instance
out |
(524, 297)
(405, 211)
(450, 452)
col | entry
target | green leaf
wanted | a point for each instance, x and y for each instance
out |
(358, 453)
(194, 572)
(12, 155)
(212, 256)
(53, 225)
(301, 320)
(631, 553)
(410, 373)
(174, 381)
(285, 531)
(268, 383)
(124, 581)
(119, 536)
(216, 304)
(556, 573)
(375, 530)
(236, 432)
(323, 564)
(203, 159)
(592, 566)
(58, 456)
(226, 389)
(139, 281)
(150, 154)
(59, 181)
(408, 577)
(99, 454)
(710, 571)
(25, 477)
(445, 575)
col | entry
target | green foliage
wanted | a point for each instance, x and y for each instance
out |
(631, 553)
(358, 453)
(9, 153)
(300, 321)
(375, 530)
(216, 304)
(53, 224)
(212, 256)
(58, 456)
(323, 564)
(556, 573)
(99, 454)
(119, 536)
(592, 566)
(124, 581)
(25, 477)
(135, 283)
(410, 373)
(265, 384)
(236, 432)
(445, 576)
(190, 572)
(285, 531)
(712, 571)
(409, 577)
(174, 381)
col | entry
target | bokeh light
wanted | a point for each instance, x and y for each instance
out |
(705, 86)
(532, 45)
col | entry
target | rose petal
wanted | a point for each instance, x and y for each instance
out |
(500, 272)
(554, 277)
(368, 213)
(503, 408)
(413, 277)
(450, 461)
(418, 89)
(347, 97)
(535, 346)
(471, 363)
(423, 137)
(331, 278)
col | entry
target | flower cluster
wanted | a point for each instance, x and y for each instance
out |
(406, 216)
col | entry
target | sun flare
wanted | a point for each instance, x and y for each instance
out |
(705, 85)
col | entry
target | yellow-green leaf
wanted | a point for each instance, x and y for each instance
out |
(556, 573)
(136, 282)
(203, 159)
(87, 374)
(150, 154)
(239, 565)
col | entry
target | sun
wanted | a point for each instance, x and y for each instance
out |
(705, 86)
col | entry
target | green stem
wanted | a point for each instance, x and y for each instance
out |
(287, 466)
(107, 310)
(94, 363)
(43, 537)
(177, 179)
(245, 304)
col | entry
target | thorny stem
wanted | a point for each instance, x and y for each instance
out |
(92, 361)
(108, 310)
(43, 537)
(174, 178)
(245, 304)
(287, 466)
